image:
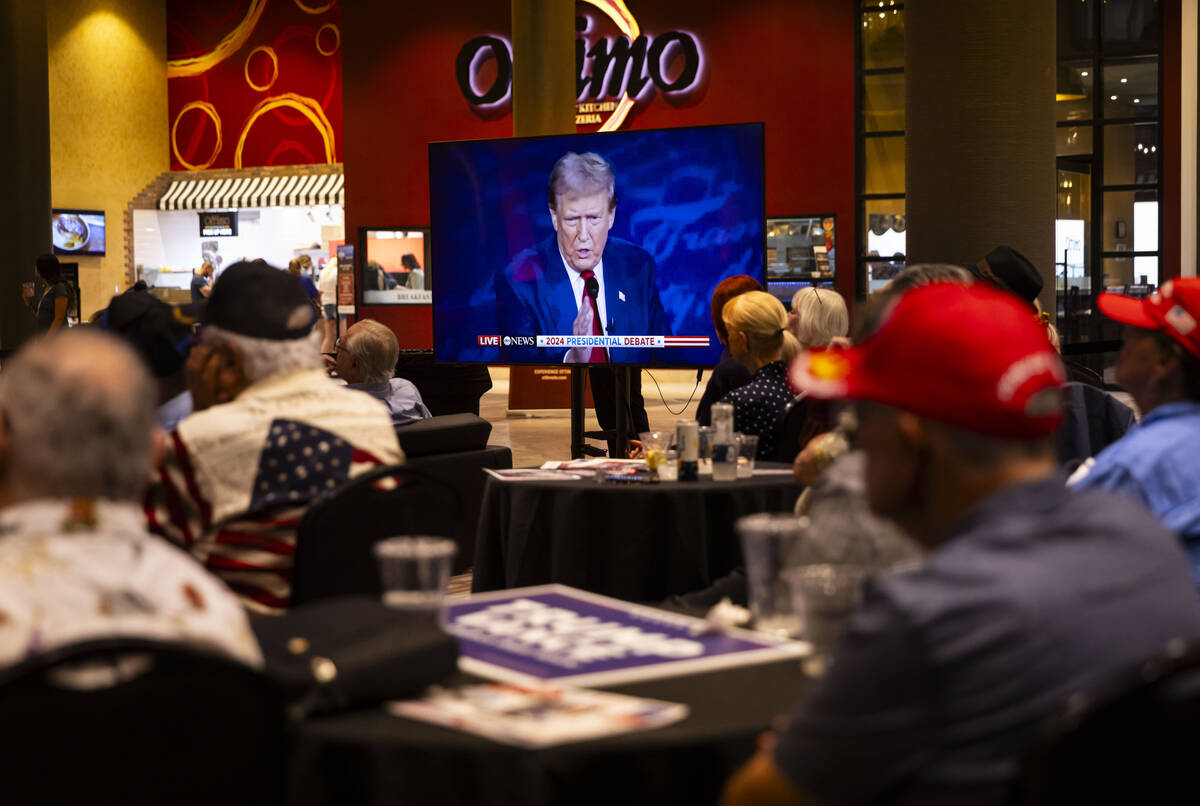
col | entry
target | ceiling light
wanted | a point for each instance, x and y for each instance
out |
(1083, 73)
(1137, 100)
(1112, 97)
(1124, 81)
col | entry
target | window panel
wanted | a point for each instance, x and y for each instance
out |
(882, 36)
(883, 102)
(1131, 154)
(884, 165)
(1130, 221)
(1131, 89)
(1073, 89)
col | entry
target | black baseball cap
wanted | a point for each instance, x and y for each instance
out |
(258, 300)
(152, 328)
(1006, 268)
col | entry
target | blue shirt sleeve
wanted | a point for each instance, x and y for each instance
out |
(869, 726)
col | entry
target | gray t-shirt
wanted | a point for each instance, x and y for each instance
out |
(45, 307)
(945, 673)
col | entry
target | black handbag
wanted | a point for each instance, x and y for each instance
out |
(339, 653)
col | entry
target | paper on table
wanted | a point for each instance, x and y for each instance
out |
(535, 474)
(538, 716)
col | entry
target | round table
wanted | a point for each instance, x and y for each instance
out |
(371, 757)
(638, 542)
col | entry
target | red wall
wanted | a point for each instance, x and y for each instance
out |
(788, 63)
(275, 59)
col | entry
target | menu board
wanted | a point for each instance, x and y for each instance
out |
(558, 634)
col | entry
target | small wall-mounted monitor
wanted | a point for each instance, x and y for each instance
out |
(395, 265)
(77, 232)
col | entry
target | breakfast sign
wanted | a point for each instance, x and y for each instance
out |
(617, 66)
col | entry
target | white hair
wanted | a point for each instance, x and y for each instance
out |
(262, 358)
(819, 316)
(80, 411)
(376, 348)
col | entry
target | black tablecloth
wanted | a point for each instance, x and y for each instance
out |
(639, 542)
(371, 757)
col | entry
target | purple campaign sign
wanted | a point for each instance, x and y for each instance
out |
(558, 634)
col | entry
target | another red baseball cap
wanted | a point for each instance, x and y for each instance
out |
(967, 356)
(1173, 309)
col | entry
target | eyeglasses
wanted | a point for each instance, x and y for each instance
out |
(337, 348)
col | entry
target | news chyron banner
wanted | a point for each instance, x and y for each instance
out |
(606, 342)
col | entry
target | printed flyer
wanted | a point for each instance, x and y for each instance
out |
(565, 636)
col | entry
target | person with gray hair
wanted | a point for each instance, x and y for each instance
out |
(818, 316)
(270, 433)
(77, 441)
(365, 358)
(580, 281)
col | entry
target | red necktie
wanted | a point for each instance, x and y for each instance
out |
(597, 355)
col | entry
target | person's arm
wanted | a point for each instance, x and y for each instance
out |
(60, 313)
(206, 289)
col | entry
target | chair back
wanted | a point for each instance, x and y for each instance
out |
(336, 536)
(133, 721)
(789, 427)
(1133, 738)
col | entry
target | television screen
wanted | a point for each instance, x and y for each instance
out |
(395, 269)
(616, 264)
(77, 232)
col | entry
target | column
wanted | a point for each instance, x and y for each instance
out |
(980, 131)
(543, 39)
(25, 142)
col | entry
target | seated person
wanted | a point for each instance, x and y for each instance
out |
(818, 318)
(365, 359)
(76, 442)
(269, 434)
(760, 340)
(728, 373)
(149, 325)
(1030, 591)
(1159, 365)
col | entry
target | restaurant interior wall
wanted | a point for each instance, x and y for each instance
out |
(168, 245)
(788, 64)
(108, 120)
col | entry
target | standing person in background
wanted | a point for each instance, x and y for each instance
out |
(759, 338)
(51, 308)
(327, 286)
(310, 288)
(729, 373)
(202, 282)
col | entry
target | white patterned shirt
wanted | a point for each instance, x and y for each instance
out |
(82, 570)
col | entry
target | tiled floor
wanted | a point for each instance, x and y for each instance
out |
(540, 436)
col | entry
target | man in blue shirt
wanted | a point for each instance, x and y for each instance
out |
(1159, 365)
(1029, 592)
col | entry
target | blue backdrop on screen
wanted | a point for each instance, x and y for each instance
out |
(692, 198)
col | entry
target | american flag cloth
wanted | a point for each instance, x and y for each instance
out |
(237, 478)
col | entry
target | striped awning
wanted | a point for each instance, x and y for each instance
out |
(253, 191)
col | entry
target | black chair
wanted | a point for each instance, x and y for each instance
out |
(1133, 738)
(336, 536)
(789, 427)
(161, 723)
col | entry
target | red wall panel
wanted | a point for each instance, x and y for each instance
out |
(252, 83)
(787, 63)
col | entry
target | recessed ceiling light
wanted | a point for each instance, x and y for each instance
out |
(1124, 81)
(1112, 97)
(1084, 73)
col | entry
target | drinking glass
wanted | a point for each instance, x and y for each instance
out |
(768, 541)
(824, 596)
(747, 445)
(414, 571)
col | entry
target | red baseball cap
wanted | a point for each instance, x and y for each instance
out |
(968, 356)
(1173, 309)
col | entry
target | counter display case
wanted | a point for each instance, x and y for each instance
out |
(801, 251)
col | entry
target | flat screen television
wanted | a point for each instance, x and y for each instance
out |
(512, 284)
(77, 232)
(395, 266)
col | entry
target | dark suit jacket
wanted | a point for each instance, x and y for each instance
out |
(534, 297)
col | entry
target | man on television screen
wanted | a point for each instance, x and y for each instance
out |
(580, 282)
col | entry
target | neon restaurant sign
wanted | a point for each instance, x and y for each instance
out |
(612, 73)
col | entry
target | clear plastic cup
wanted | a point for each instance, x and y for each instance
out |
(824, 597)
(705, 460)
(415, 571)
(747, 450)
(769, 540)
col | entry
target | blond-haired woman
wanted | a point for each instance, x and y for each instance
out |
(759, 339)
